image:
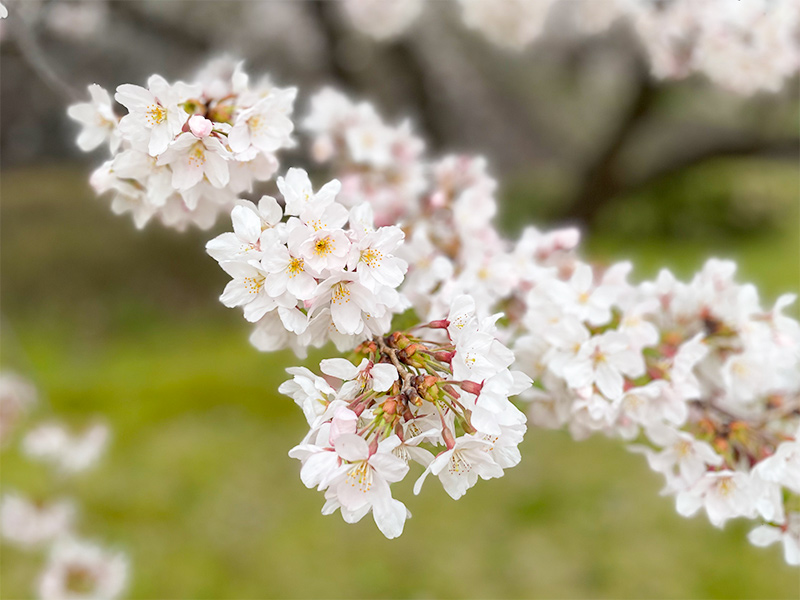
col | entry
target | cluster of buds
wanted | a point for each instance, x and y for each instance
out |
(310, 271)
(442, 404)
(183, 152)
(76, 568)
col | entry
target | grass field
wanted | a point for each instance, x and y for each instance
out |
(199, 489)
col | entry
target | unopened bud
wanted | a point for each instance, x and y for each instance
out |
(721, 445)
(452, 391)
(471, 387)
(390, 406)
(444, 356)
(449, 440)
(440, 324)
(200, 126)
(411, 350)
(399, 340)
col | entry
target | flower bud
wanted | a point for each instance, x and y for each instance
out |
(440, 324)
(449, 440)
(200, 126)
(443, 356)
(471, 387)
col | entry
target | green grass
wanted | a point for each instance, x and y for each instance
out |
(198, 487)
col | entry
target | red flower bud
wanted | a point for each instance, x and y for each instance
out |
(471, 387)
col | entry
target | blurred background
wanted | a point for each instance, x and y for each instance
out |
(197, 486)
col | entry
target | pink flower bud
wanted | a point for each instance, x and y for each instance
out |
(440, 324)
(200, 126)
(447, 436)
(344, 421)
(471, 387)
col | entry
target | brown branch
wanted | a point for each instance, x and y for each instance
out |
(404, 54)
(723, 147)
(404, 373)
(33, 55)
(322, 12)
(601, 179)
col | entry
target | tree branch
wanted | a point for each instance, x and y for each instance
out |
(321, 11)
(601, 179)
(35, 58)
(403, 53)
(724, 147)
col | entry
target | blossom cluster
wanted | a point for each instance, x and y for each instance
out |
(377, 163)
(697, 376)
(443, 405)
(76, 568)
(184, 152)
(312, 270)
(704, 381)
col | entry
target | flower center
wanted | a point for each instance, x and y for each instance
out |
(360, 476)
(253, 284)
(372, 258)
(155, 114)
(341, 295)
(323, 247)
(459, 465)
(79, 580)
(197, 157)
(296, 266)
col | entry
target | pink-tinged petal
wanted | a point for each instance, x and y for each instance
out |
(239, 137)
(582, 278)
(293, 319)
(351, 447)
(235, 294)
(270, 210)
(346, 316)
(83, 112)
(160, 137)
(303, 286)
(90, 138)
(609, 381)
(791, 550)
(392, 468)
(418, 483)
(185, 174)
(390, 517)
(383, 376)
(133, 96)
(341, 368)
(318, 467)
(260, 305)
(246, 224)
(630, 362)
(688, 504)
(328, 192)
(99, 95)
(578, 373)
(216, 170)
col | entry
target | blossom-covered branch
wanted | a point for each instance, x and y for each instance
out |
(697, 376)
